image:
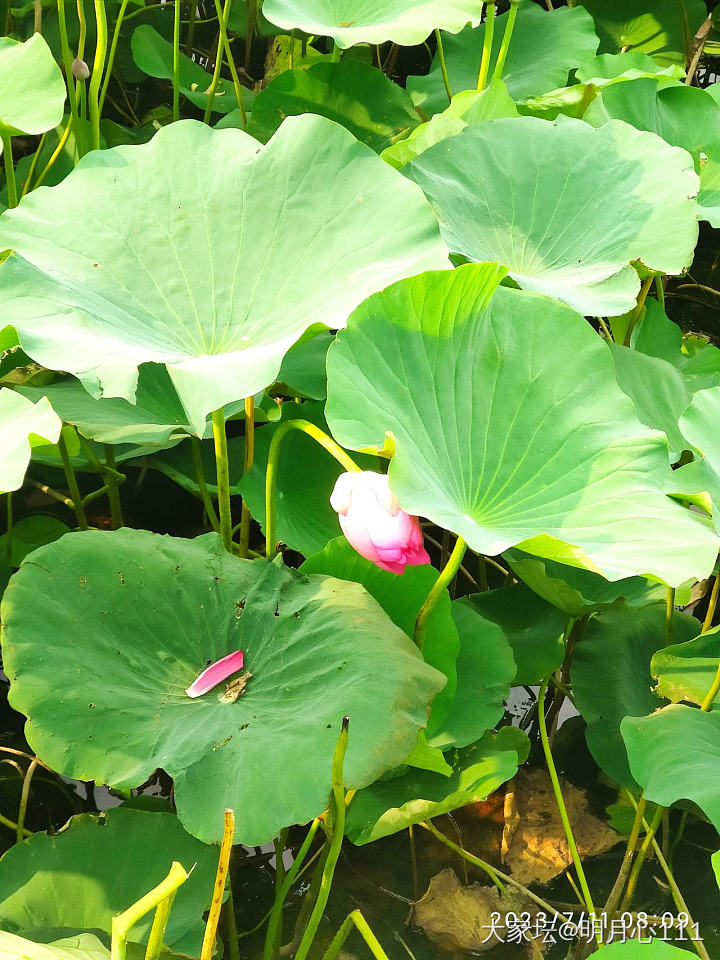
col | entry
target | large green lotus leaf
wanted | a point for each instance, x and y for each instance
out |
(209, 253)
(23, 425)
(662, 373)
(401, 598)
(97, 867)
(544, 48)
(686, 671)
(637, 950)
(470, 106)
(155, 417)
(698, 425)
(32, 89)
(674, 755)
(485, 671)
(392, 805)
(576, 591)
(306, 476)
(658, 29)
(593, 76)
(559, 239)
(498, 439)
(352, 93)
(28, 534)
(618, 646)
(147, 614)
(303, 369)
(86, 946)
(153, 54)
(683, 116)
(348, 22)
(533, 629)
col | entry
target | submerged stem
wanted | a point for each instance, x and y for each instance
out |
(357, 920)
(324, 440)
(640, 859)
(223, 478)
(444, 578)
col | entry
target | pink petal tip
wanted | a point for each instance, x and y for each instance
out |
(216, 673)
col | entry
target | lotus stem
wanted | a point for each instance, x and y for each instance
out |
(9, 523)
(337, 806)
(248, 460)
(507, 37)
(273, 929)
(443, 64)
(113, 490)
(67, 63)
(33, 165)
(159, 926)
(12, 194)
(223, 19)
(97, 71)
(123, 923)
(220, 879)
(176, 62)
(111, 55)
(358, 921)
(712, 605)
(635, 315)
(202, 484)
(20, 831)
(444, 579)
(72, 483)
(487, 45)
(669, 609)
(562, 809)
(614, 898)
(324, 440)
(223, 478)
(55, 154)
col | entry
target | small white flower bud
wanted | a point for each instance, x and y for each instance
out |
(80, 69)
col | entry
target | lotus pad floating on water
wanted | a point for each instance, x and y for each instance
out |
(128, 621)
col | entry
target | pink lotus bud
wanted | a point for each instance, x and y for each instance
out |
(216, 673)
(374, 524)
(80, 70)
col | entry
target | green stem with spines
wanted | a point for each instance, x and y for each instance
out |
(282, 430)
(223, 478)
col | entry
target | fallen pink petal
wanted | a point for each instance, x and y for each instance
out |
(216, 673)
